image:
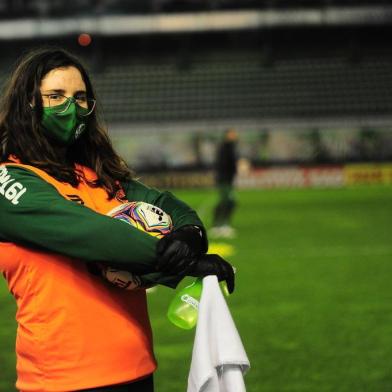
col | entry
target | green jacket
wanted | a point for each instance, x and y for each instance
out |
(41, 217)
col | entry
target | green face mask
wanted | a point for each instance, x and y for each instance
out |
(65, 123)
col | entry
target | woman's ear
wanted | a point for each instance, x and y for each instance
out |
(32, 102)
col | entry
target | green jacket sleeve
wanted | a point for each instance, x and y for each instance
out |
(33, 213)
(180, 212)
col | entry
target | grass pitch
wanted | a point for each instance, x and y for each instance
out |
(313, 302)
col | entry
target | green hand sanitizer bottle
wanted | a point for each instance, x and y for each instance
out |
(184, 307)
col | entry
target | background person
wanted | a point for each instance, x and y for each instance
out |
(225, 172)
(58, 178)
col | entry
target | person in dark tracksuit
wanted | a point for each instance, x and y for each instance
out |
(226, 169)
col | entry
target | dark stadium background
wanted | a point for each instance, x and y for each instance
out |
(308, 86)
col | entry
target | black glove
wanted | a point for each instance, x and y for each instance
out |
(213, 265)
(176, 251)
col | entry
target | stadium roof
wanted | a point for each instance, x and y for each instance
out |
(194, 22)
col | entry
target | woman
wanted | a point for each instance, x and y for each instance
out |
(59, 176)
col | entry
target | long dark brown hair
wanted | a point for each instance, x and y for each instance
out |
(21, 134)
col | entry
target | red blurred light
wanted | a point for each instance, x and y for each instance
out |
(84, 39)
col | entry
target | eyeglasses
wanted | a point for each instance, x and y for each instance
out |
(62, 102)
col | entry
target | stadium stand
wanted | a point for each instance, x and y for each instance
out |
(238, 85)
(266, 74)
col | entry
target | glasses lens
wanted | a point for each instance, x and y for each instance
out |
(90, 103)
(57, 102)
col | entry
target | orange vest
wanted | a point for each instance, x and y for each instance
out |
(75, 331)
